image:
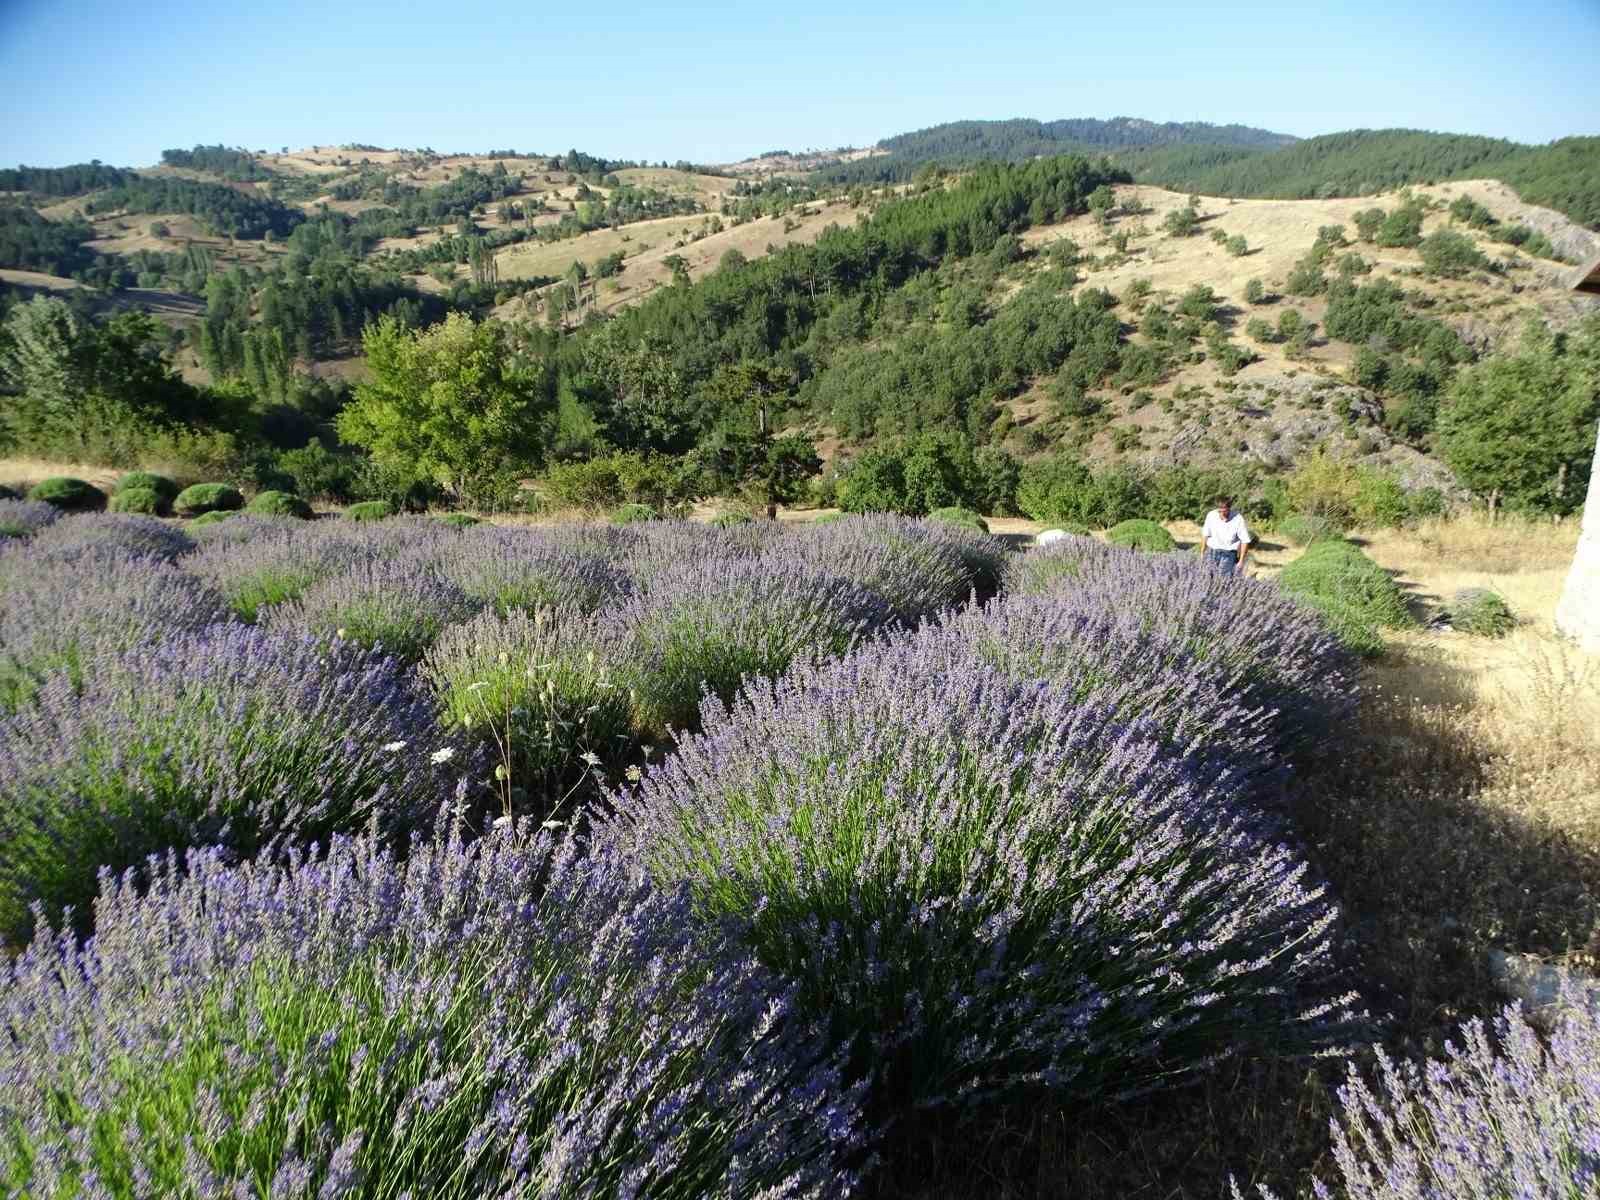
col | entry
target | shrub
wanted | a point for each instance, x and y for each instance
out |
(226, 736)
(270, 566)
(211, 518)
(69, 495)
(1481, 613)
(145, 501)
(496, 1018)
(370, 510)
(1304, 529)
(1255, 292)
(1450, 254)
(906, 562)
(457, 520)
(1502, 1114)
(1356, 595)
(93, 535)
(513, 569)
(540, 693)
(705, 624)
(56, 615)
(399, 604)
(979, 885)
(607, 481)
(279, 504)
(630, 514)
(202, 498)
(159, 484)
(1279, 656)
(729, 520)
(1141, 534)
(964, 517)
(24, 518)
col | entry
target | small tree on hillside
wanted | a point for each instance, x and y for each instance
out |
(1520, 428)
(448, 404)
(1450, 254)
(1181, 222)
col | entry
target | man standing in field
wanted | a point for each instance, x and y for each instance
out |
(1226, 538)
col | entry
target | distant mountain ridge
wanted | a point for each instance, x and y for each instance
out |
(1240, 160)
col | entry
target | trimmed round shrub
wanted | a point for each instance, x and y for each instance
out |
(272, 565)
(980, 885)
(225, 736)
(517, 569)
(370, 510)
(1357, 596)
(498, 1018)
(145, 501)
(960, 516)
(279, 504)
(1140, 534)
(911, 565)
(706, 624)
(457, 520)
(95, 534)
(398, 604)
(1277, 655)
(210, 518)
(730, 520)
(1504, 1113)
(57, 614)
(545, 694)
(1304, 529)
(69, 495)
(147, 481)
(1481, 613)
(630, 514)
(24, 518)
(204, 498)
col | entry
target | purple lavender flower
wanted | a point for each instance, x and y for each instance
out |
(1276, 653)
(57, 613)
(704, 624)
(400, 604)
(527, 569)
(274, 564)
(94, 534)
(1502, 1114)
(229, 736)
(24, 518)
(501, 1018)
(912, 565)
(983, 883)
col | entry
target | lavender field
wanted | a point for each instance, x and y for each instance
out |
(396, 858)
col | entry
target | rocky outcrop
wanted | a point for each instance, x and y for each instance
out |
(1578, 615)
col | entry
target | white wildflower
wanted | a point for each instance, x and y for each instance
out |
(590, 757)
(443, 755)
(394, 747)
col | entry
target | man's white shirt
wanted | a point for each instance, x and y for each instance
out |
(1224, 534)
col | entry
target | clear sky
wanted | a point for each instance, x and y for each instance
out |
(107, 79)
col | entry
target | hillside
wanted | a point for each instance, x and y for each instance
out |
(1245, 162)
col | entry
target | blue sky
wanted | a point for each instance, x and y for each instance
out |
(713, 82)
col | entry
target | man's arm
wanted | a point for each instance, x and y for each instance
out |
(1244, 540)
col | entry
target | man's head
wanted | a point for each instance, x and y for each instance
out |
(1224, 505)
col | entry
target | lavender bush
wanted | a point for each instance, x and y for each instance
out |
(272, 565)
(1502, 1117)
(705, 624)
(650, 547)
(910, 564)
(985, 885)
(400, 604)
(545, 694)
(513, 569)
(55, 614)
(23, 518)
(94, 534)
(495, 1019)
(229, 736)
(1276, 654)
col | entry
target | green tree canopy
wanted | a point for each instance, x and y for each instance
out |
(451, 404)
(1521, 427)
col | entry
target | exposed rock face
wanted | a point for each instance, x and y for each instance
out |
(1578, 615)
